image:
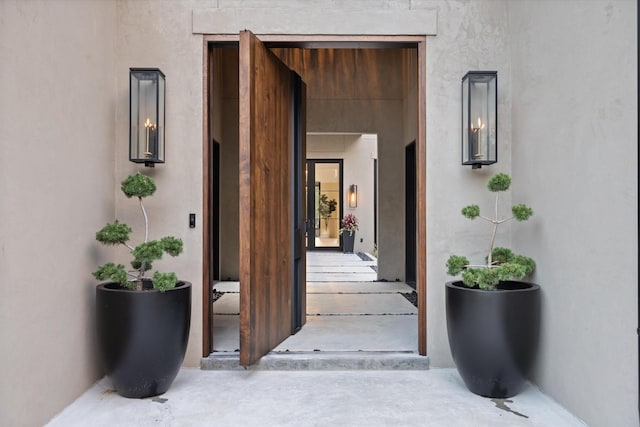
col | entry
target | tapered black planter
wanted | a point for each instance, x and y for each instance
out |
(493, 335)
(348, 242)
(142, 336)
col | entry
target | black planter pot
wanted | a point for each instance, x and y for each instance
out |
(493, 335)
(348, 241)
(142, 336)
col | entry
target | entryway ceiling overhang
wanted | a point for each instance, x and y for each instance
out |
(422, 22)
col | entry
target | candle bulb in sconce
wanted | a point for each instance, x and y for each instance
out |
(151, 131)
(476, 139)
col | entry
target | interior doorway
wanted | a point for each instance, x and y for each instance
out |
(324, 204)
(391, 204)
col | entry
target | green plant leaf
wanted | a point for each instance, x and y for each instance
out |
(172, 245)
(521, 212)
(138, 185)
(455, 264)
(499, 182)
(325, 206)
(164, 281)
(114, 273)
(501, 255)
(113, 234)
(526, 262)
(470, 277)
(510, 271)
(149, 251)
(488, 278)
(136, 264)
(471, 211)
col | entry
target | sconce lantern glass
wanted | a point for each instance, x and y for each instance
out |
(146, 115)
(480, 118)
(353, 196)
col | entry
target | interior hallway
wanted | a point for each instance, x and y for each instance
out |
(346, 310)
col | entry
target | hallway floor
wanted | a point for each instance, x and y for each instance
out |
(341, 316)
(346, 310)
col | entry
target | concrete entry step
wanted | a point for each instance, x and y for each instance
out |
(321, 360)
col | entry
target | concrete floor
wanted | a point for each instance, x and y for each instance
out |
(326, 266)
(349, 318)
(435, 397)
(341, 316)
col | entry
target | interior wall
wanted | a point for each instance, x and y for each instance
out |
(410, 95)
(575, 133)
(358, 152)
(229, 167)
(57, 115)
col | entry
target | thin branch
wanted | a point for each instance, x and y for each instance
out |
(146, 221)
(493, 235)
(131, 248)
(492, 221)
(480, 266)
(505, 220)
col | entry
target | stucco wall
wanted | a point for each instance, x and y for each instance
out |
(153, 36)
(57, 116)
(471, 36)
(574, 73)
(574, 125)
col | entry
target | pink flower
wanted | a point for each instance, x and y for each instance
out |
(349, 223)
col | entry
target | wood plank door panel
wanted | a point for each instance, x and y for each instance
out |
(266, 170)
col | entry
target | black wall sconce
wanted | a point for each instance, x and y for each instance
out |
(480, 118)
(353, 196)
(146, 116)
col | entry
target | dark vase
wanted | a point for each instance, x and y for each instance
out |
(142, 336)
(348, 241)
(493, 335)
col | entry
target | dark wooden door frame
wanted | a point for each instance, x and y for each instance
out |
(299, 152)
(318, 41)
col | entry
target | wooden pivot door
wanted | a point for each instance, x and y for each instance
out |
(271, 136)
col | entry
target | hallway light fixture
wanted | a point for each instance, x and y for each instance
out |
(146, 116)
(353, 196)
(480, 118)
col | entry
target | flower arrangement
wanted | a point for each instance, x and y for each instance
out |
(349, 223)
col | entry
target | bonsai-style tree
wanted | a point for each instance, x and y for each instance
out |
(501, 263)
(326, 207)
(117, 233)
